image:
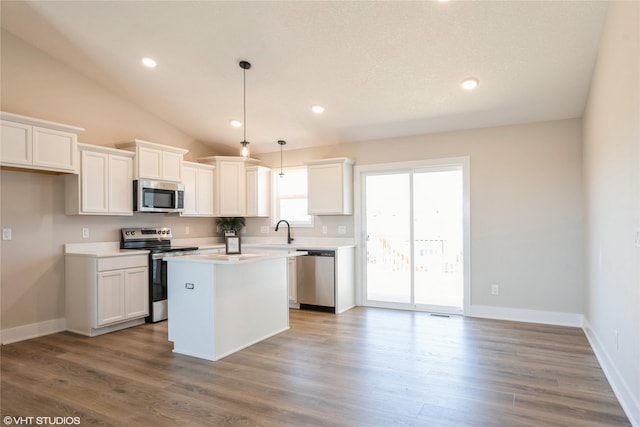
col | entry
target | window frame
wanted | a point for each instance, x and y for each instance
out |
(275, 199)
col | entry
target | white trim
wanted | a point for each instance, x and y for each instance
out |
(34, 330)
(530, 316)
(275, 200)
(621, 388)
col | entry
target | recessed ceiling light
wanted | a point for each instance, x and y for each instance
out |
(469, 84)
(149, 62)
(235, 123)
(318, 109)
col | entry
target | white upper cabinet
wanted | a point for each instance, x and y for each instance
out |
(104, 185)
(330, 186)
(156, 161)
(198, 180)
(31, 143)
(258, 194)
(230, 185)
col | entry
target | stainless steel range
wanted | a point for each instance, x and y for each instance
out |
(157, 240)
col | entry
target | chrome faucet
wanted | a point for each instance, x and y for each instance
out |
(289, 238)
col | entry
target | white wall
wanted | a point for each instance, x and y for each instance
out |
(612, 204)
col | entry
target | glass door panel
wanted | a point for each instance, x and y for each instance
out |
(438, 238)
(414, 224)
(388, 227)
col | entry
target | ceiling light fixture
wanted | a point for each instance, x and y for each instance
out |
(281, 142)
(149, 62)
(235, 123)
(318, 109)
(245, 144)
(469, 83)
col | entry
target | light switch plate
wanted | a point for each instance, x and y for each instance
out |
(6, 234)
(342, 229)
(85, 232)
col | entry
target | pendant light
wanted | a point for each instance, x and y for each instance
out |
(281, 142)
(245, 144)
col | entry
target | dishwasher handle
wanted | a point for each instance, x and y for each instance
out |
(311, 252)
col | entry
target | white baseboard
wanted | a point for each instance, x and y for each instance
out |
(530, 316)
(34, 330)
(621, 389)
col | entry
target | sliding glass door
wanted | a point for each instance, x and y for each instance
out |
(414, 233)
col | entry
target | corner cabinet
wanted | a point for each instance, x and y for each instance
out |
(104, 185)
(230, 189)
(258, 191)
(330, 186)
(105, 293)
(29, 143)
(155, 161)
(198, 180)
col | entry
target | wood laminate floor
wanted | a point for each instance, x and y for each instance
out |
(366, 367)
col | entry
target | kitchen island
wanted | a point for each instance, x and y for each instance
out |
(219, 304)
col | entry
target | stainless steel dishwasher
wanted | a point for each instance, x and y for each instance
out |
(316, 280)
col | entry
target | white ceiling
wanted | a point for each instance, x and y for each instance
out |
(381, 69)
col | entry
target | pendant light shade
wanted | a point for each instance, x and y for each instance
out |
(245, 144)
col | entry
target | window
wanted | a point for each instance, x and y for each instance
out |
(290, 197)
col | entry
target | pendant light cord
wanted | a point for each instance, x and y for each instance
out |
(244, 104)
(245, 65)
(281, 142)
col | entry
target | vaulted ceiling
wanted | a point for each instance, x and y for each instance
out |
(380, 69)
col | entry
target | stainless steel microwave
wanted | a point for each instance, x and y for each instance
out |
(157, 196)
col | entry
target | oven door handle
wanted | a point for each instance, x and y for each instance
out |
(170, 254)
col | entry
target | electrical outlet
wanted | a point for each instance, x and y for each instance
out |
(324, 229)
(6, 234)
(342, 229)
(495, 290)
(85, 232)
(187, 230)
(637, 238)
(264, 229)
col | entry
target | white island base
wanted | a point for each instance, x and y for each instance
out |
(221, 304)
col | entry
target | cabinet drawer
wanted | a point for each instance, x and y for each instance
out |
(121, 262)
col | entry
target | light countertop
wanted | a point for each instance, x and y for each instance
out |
(100, 250)
(243, 258)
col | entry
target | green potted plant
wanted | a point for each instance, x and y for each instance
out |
(230, 225)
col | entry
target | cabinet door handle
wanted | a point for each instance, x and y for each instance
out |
(188, 286)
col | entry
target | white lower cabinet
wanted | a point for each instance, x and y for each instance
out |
(122, 295)
(104, 294)
(292, 280)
